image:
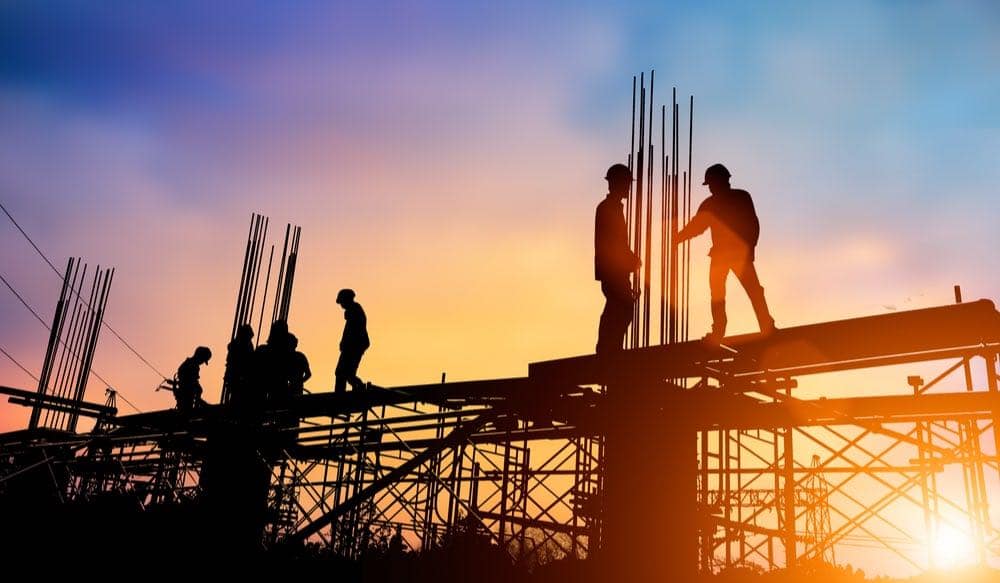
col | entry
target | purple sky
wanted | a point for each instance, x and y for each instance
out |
(444, 160)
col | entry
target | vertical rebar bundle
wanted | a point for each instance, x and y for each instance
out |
(76, 326)
(673, 208)
(286, 275)
(250, 290)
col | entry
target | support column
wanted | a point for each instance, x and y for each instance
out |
(791, 553)
(650, 510)
(990, 359)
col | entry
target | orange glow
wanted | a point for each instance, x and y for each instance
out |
(952, 548)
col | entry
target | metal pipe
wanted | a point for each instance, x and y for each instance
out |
(631, 164)
(43, 377)
(648, 262)
(664, 160)
(279, 285)
(256, 280)
(243, 276)
(263, 301)
(637, 235)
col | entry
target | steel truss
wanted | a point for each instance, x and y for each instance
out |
(864, 475)
(779, 479)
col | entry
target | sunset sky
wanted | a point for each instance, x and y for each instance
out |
(445, 159)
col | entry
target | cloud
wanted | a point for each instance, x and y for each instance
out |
(445, 161)
(443, 197)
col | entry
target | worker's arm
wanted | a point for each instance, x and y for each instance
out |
(696, 226)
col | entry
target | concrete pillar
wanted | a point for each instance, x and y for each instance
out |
(650, 502)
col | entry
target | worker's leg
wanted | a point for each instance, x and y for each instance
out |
(617, 315)
(718, 269)
(356, 383)
(604, 327)
(747, 274)
(624, 304)
(340, 374)
(184, 397)
(347, 371)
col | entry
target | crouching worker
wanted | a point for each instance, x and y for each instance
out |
(188, 389)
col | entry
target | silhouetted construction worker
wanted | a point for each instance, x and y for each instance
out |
(296, 373)
(188, 389)
(298, 368)
(239, 359)
(353, 343)
(270, 365)
(735, 229)
(614, 261)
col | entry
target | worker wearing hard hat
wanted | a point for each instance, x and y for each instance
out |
(730, 214)
(188, 389)
(614, 261)
(353, 343)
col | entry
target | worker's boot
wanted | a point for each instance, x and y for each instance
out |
(718, 323)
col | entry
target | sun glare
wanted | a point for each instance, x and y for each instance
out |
(952, 548)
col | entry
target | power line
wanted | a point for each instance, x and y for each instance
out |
(6, 212)
(43, 323)
(58, 273)
(23, 302)
(122, 397)
(19, 365)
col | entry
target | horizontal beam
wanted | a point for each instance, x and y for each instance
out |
(32, 398)
(448, 395)
(320, 451)
(908, 336)
(731, 414)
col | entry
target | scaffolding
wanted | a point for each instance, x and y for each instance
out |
(668, 459)
(427, 458)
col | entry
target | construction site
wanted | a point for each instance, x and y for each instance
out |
(671, 459)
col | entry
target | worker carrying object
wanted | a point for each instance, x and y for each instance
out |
(730, 214)
(614, 261)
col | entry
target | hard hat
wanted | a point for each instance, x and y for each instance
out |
(716, 172)
(203, 353)
(618, 170)
(345, 295)
(244, 331)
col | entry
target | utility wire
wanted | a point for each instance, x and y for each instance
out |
(23, 302)
(58, 273)
(43, 323)
(19, 365)
(122, 397)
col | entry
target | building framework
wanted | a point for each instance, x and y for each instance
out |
(696, 457)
